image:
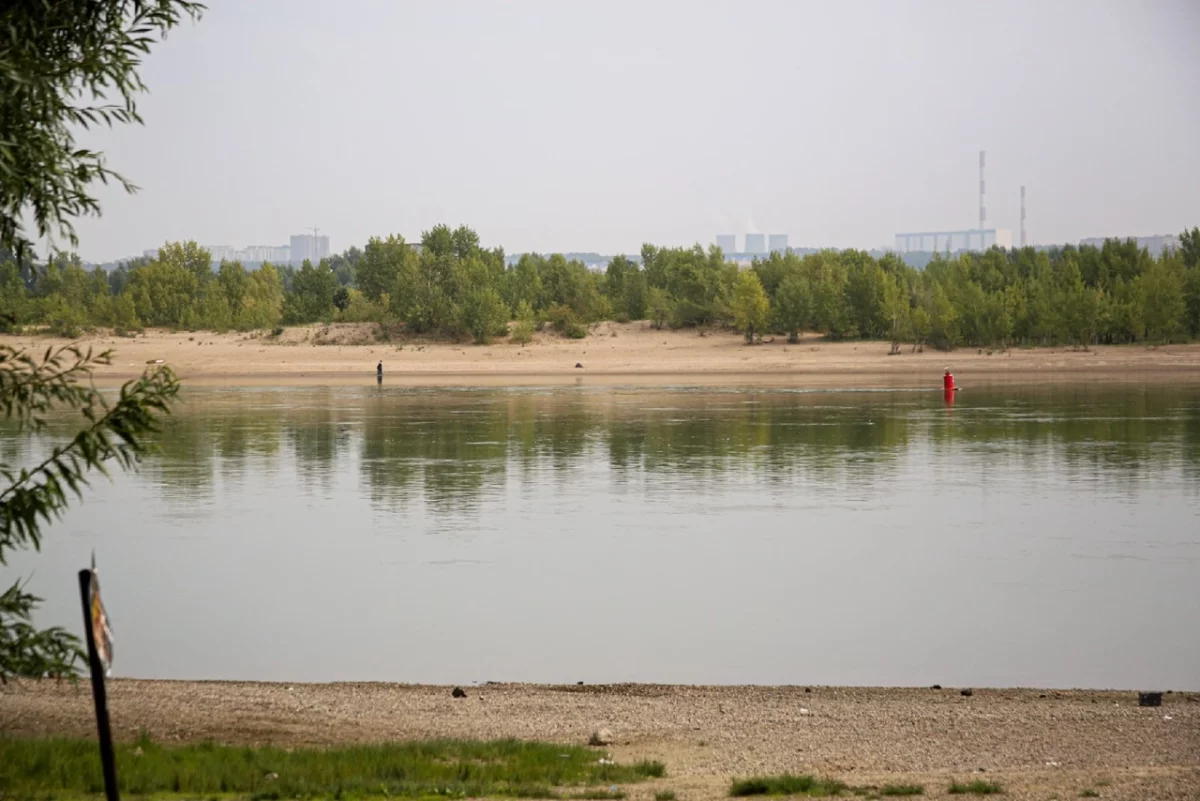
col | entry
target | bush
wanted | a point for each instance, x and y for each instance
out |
(558, 316)
(565, 321)
(341, 298)
(63, 319)
(975, 788)
(66, 329)
(786, 784)
(484, 314)
(660, 307)
(521, 332)
(357, 308)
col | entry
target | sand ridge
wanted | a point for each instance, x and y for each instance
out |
(629, 353)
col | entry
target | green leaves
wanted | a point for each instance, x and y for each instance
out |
(26, 651)
(383, 263)
(659, 306)
(522, 330)
(793, 305)
(484, 314)
(33, 496)
(311, 297)
(750, 305)
(700, 283)
(29, 390)
(59, 64)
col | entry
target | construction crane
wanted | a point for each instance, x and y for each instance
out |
(314, 249)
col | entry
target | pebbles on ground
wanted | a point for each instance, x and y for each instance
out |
(1034, 743)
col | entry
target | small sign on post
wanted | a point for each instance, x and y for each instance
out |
(99, 647)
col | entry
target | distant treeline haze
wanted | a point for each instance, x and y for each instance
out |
(453, 287)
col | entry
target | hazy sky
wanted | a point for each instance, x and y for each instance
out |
(575, 125)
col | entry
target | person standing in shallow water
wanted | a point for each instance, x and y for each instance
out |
(379, 371)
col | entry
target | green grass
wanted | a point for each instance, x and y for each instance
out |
(978, 787)
(902, 789)
(665, 795)
(55, 768)
(787, 784)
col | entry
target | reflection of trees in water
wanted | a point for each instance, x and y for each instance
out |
(776, 441)
(452, 450)
(1120, 435)
(186, 453)
(1191, 442)
(201, 442)
(14, 450)
(456, 455)
(318, 441)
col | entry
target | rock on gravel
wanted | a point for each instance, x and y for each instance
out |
(601, 737)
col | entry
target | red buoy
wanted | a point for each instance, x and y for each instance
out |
(948, 381)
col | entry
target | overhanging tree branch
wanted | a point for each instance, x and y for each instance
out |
(31, 390)
(65, 64)
(40, 493)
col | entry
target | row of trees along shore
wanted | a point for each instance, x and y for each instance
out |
(452, 287)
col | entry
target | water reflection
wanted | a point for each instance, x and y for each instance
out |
(451, 449)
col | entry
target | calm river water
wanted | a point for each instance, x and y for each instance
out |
(1037, 538)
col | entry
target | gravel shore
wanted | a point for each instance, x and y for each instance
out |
(1037, 744)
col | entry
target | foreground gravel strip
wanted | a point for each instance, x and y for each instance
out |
(1035, 743)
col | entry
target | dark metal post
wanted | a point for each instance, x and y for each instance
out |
(107, 758)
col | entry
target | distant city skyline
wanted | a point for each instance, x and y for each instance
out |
(301, 248)
(953, 241)
(923, 242)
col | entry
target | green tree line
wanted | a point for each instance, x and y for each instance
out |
(448, 285)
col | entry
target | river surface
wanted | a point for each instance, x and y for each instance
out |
(1019, 537)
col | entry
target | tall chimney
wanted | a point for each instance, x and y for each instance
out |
(982, 190)
(1022, 216)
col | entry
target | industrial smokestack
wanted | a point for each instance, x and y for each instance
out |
(1022, 216)
(982, 191)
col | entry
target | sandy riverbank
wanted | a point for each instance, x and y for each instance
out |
(1037, 744)
(628, 353)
